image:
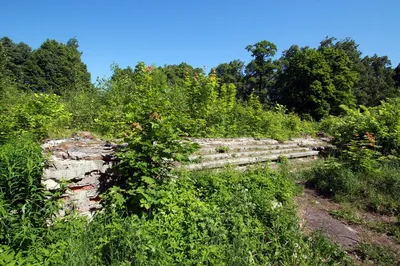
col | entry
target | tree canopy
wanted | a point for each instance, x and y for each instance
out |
(260, 71)
(309, 81)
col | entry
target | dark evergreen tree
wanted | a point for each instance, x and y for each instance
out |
(15, 58)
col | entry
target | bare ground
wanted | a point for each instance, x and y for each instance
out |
(314, 213)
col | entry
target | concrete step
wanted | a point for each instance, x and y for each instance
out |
(242, 148)
(247, 160)
(303, 142)
(230, 142)
(232, 154)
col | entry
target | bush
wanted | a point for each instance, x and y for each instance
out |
(84, 108)
(199, 106)
(153, 148)
(41, 115)
(381, 122)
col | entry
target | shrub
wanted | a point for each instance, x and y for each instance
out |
(381, 122)
(41, 115)
(153, 148)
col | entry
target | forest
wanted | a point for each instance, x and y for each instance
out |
(212, 218)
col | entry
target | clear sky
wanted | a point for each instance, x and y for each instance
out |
(201, 33)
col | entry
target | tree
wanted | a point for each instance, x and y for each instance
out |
(260, 71)
(232, 73)
(314, 82)
(3, 60)
(376, 78)
(57, 68)
(15, 59)
(376, 81)
(343, 77)
(348, 45)
(397, 76)
(176, 74)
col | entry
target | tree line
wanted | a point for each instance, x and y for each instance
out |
(312, 82)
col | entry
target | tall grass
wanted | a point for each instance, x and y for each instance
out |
(376, 190)
(23, 208)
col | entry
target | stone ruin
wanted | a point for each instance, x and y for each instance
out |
(86, 163)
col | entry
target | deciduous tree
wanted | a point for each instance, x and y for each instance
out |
(232, 73)
(260, 71)
(58, 68)
(314, 82)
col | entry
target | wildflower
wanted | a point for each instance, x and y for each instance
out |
(276, 204)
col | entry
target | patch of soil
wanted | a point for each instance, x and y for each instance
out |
(314, 215)
(314, 212)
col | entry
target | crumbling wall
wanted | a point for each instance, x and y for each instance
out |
(84, 164)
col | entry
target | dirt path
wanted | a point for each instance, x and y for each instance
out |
(314, 212)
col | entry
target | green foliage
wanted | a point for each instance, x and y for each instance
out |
(199, 106)
(315, 82)
(227, 218)
(42, 115)
(397, 76)
(376, 81)
(83, 106)
(375, 254)
(176, 74)
(57, 68)
(260, 71)
(137, 92)
(222, 149)
(233, 73)
(381, 123)
(15, 59)
(25, 207)
(350, 214)
(375, 190)
(153, 147)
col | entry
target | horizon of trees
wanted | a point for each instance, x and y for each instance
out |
(312, 82)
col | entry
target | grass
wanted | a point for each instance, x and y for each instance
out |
(375, 191)
(351, 215)
(364, 197)
(373, 254)
(222, 149)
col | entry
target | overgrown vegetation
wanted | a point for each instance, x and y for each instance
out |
(225, 219)
(26, 208)
(157, 216)
(364, 171)
(366, 167)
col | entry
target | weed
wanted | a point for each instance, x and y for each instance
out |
(25, 206)
(375, 191)
(374, 254)
(349, 214)
(222, 149)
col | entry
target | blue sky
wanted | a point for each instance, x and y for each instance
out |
(201, 33)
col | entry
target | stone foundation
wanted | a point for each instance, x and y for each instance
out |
(84, 164)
